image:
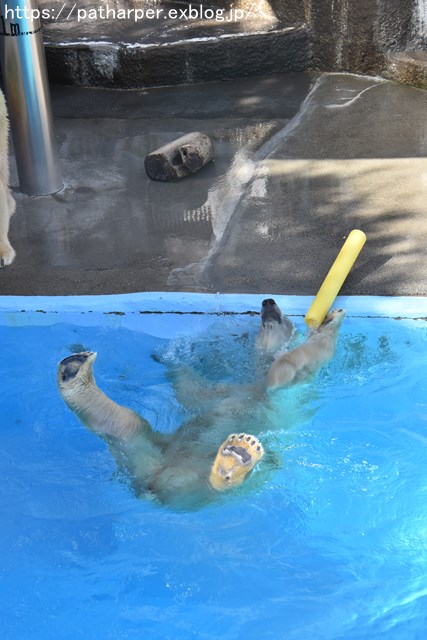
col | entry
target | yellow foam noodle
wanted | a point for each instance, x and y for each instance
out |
(335, 278)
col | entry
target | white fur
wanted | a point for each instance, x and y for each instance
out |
(7, 203)
(303, 362)
(175, 467)
(274, 335)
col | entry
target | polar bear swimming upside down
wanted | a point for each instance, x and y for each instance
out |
(186, 468)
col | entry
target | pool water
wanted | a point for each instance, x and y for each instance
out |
(328, 542)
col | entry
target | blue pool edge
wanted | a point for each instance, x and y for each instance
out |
(171, 302)
(166, 302)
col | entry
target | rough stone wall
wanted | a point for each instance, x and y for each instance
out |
(372, 37)
(357, 35)
(353, 35)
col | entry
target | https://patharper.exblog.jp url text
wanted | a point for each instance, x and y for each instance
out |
(134, 14)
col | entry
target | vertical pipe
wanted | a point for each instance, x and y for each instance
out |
(27, 94)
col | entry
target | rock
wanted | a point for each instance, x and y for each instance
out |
(180, 158)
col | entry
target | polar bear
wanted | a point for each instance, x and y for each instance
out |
(186, 469)
(7, 203)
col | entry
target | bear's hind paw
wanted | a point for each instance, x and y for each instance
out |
(236, 457)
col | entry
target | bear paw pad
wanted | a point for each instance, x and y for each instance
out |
(236, 457)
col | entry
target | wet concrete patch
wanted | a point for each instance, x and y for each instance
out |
(269, 215)
(114, 230)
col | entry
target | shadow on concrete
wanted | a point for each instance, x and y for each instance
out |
(292, 249)
(352, 158)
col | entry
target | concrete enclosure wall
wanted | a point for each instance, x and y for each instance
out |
(373, 37)
(357, 35)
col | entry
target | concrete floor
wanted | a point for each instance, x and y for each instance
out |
(300, 161)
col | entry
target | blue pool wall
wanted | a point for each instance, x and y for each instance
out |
(127, 310)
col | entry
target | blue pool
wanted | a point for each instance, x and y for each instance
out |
(327, 540)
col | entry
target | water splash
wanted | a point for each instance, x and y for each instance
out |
(222, 200)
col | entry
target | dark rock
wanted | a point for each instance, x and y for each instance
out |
(180, 158)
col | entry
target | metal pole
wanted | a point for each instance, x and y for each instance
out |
(27, 94)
